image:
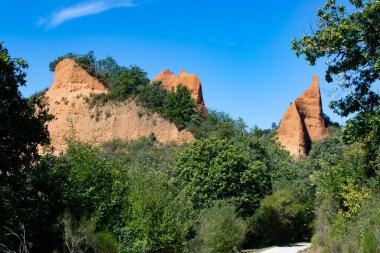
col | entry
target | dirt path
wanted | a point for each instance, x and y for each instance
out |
(294, 248)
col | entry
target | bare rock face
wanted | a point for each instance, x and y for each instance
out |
(191, 81)
(303, 122)
(68, 100)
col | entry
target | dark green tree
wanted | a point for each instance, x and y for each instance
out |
(128, 82)
(212, 169)
(22, 129)
(152, 96)
(22, 126)
(108, 70)
(179, 106)
(350, 40)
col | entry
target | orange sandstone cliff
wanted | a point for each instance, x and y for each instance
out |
(191, 81)
(303, 122)
(68, 101)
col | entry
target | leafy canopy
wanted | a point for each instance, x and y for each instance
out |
(351, 43)
(22, 126)
(213, 169)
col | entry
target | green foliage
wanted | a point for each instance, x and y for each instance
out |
(217, 125)
(143, 152)
(179, 106)
(278, 220)
(159, 218)
(351, 235)
(81, 236)
(86, 61)
(122, 81)
(128, 81)
(365, 129)
(351, 170)
(219, 230)
(22, 129)
(152, 96)
(350, 41)
(343, 193)
(212, 169)
(21, 123)
(99, 99)
(89, 181)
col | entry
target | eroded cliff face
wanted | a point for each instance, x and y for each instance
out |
(68, 101)
(303, 122)
(191, 81)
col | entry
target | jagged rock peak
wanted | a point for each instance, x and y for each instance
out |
(303, 122)
(191, 81)
(70, 76)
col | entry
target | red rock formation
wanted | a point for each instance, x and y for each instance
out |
(191, 81)
(303, 122)
(67, 100)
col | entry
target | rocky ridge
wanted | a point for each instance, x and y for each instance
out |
(170, 82)
(68, 101)
(303, 122)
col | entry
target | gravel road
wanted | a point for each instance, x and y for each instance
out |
(294, 248)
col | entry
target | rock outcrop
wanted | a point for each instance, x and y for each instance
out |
(191, 81)
(303, 122)
(68, 101)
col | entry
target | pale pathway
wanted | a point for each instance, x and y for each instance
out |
(294, 248)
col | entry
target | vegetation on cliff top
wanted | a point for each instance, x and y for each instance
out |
(132, 82)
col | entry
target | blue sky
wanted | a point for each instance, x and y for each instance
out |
(239, 49)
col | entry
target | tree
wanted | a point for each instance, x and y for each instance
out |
(22, 124)
(128, 82)
(351, 43)
(159, 218)
(22, 129)
(213, 169)
(152, 96)
(179, 106)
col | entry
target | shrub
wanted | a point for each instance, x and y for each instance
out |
(278, 220)
(99, 99)
(219, 230)
(89, 181)
(158, 219)
(81, 236)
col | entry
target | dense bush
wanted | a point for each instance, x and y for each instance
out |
(280, 219)
(159, 219)
(89, 180)
(152, 96)
(212, 169)
(127, 83)
(219, 230)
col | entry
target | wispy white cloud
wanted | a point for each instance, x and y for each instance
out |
(81, 10)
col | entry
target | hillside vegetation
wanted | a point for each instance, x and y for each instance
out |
(232, 188)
